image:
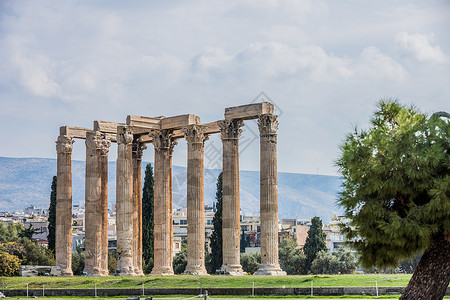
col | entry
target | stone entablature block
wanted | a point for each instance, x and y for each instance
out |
(249, 111)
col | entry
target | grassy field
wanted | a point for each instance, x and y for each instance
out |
(213, 281)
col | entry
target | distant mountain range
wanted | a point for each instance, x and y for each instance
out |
(26, 181)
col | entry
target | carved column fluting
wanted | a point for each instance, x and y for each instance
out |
(104, 204)
(163, 141)
(268, 126)
(93, 214)
(124, 201)
(63, 235)
(230, 132)
(195, 138)
(138, 149)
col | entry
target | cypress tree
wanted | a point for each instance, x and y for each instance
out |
(147, 219)
(315, 242)
(52, 217)
(216, 236)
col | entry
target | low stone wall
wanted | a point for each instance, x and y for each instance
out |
(319, 291)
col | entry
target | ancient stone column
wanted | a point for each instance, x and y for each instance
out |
(195, 138)
(138, 149)
(268, 126)
(63, 235)
(124, 201)
(104, 204)
(93, 213)
(230, 132)
(163, 141)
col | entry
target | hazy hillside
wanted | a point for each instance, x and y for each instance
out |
(25, 181)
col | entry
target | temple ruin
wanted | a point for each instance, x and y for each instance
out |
(163, 132)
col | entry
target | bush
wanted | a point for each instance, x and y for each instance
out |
(36, 255)
(250, 262)
(112, 261)
(14, 248)
(9, 264)
(78, 260)
(340, 262)
(292, 259)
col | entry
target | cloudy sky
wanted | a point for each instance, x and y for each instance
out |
(324, 64)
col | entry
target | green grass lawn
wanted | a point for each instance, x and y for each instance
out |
(211, 281)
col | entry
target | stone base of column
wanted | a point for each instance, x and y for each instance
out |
(233, 270)
(138, 272)
(66, 273)
(95, 272)
(269, 269)
(164, 271)
(195, 270)
(124, 267)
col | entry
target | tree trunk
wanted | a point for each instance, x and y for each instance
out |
(432, 276)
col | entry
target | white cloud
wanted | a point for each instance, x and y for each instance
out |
(35, 75)
(420, 47)
(373, 63)
(278, 60)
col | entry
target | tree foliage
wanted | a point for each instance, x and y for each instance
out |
(396, 192)
(28, 232)
(396, 184)
(250, 262)
(216, 236)
(291, 257)
(78, 261)
(245, 241)
(14, 241)
(9, 264)
(342, 261)
(112, 260)
(147, 219)
(315, 242)
(180, 259)
(52, 217)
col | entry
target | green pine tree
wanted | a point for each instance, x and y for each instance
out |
(315, 242)
(216, 236)
(52, 217)
(147, 219)
(396, 193)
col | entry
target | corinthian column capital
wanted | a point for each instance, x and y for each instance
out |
(163, 140)
(138, 149)
(94, 140)
(64, 144)
(124, 135)
(230, 129)
(268, 124)
(105, 147)
(195, 134)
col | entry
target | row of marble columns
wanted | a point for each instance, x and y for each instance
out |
(129, 200)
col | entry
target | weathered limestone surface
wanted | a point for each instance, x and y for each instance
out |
(104, 204)
(230, 132)
(74, 132)
(249, 111)
(195, 138)
(180, 121)
(138, 149)
(124, 201)
(164, 142)
(63, 235)
(93, 197)
(268, 126)
(144, 122)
